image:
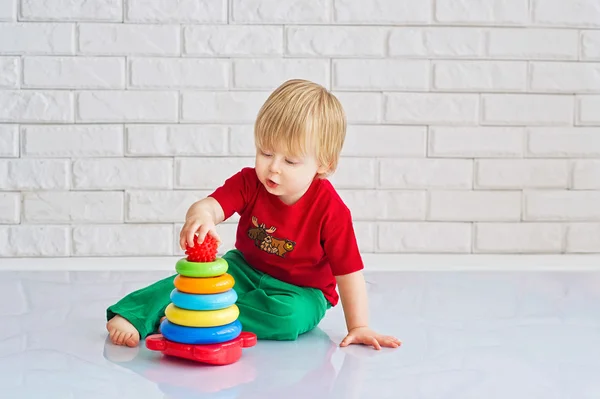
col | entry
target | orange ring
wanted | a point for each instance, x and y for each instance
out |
(204, 285)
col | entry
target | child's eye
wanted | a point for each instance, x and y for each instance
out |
(291, 162)
(266, 154)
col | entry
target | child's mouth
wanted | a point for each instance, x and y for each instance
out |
(271, 183)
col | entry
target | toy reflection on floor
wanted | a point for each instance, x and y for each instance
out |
(202, 319)
(302, 368)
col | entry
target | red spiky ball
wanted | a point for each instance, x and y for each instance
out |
(205, 252)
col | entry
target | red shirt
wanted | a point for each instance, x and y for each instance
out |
(306, 244)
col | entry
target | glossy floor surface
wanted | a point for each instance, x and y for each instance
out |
(465, 335)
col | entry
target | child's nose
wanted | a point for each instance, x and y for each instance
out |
(275, 166)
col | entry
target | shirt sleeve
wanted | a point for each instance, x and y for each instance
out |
(339, 242)
(236, 192)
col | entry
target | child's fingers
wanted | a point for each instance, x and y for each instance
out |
(215, 235)
(191, 232)
(202, 232)
(346, 341)
(375, 343)
(390, 342)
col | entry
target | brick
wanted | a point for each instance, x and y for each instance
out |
(34, 241)
(61, 10)
(9, 72)
(37, 38)
(590, 45)
(281, 11)
(241, 140)
(385, 205)
(232, 40)
(544, 44)
(270, 73)
(476, 142)
(583, 238)
(480, 76)
(519, 237)
(436, 42)
(185, 11)
(34, 174)
(176, 140)
(10, 208)
(382, 11)
(563, 142)
(9, 141)
(474, 206)
(521, 173)
(562, 205)
(385, 141)
(424, 237)
(527, 109)
(576, 13)
(123, 240)
(586, 175)
(179, 73)
(8, 10)
(588, 110)
(565, 77)
(221, 107)
(381, 75)
(161, 206)
(74, 72)
(36, 106)
(129, 39)
(431, 108)
(359, 173)
(187, 176)
(361, 107)
(122, 173)
(496, 12)
(353, 41)
(73, 207)
(426, 173)
(127, 106)
(72, 141)
(366, 235)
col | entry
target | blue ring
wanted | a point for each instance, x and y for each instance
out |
(200, 335)
(203, 301)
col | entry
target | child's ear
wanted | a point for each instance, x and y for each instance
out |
(323, 169)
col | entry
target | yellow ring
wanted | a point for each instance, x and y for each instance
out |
(204, 285)
(201, 318)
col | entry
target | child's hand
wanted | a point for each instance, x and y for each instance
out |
(200, 223)
(366, 336)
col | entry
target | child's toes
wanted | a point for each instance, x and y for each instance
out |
(119, 338)
(131, 340)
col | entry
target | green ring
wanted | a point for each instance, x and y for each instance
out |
(201, 269)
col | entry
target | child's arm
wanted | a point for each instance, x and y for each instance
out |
(202, 217)
(353, 293)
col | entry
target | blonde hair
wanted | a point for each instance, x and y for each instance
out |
(301, 115)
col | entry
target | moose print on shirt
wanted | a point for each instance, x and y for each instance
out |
(265, 241)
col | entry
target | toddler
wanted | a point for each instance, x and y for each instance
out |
(295, 240)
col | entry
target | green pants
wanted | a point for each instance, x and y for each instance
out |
(270, 308)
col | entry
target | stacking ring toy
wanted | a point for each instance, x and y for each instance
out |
(203, 302)
(207, 285)
(200, 335)
(208, 318)
(201, 269)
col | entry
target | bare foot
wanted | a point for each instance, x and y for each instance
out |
(122, 332)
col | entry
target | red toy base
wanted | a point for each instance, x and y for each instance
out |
(219, 354)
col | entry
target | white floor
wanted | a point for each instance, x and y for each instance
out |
(466, 335)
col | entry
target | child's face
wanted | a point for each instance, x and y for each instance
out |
(287, 177)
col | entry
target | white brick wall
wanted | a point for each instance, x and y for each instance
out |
(474, 125)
